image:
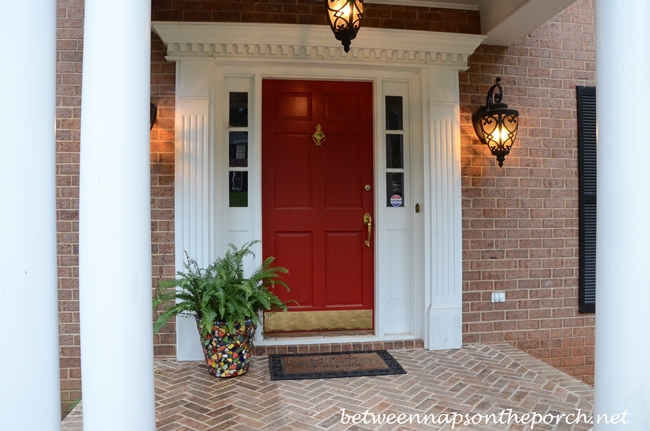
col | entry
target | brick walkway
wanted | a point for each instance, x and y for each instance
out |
(476, 379)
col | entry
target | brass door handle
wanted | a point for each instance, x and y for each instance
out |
(367, 220)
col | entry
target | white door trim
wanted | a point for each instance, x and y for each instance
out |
(425, 63)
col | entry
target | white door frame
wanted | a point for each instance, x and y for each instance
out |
(424, 287)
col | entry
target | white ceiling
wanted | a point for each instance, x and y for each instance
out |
(502, 21)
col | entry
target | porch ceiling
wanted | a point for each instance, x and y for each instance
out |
(502, 21)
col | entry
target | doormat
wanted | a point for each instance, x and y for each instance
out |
(333, 365)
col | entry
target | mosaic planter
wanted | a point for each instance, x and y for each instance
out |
(226, 354)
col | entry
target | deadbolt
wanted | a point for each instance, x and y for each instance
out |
(367, 187)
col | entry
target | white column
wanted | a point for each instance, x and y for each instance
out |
(114, 226)
(622, 377)
(443, 225)
(29, 332)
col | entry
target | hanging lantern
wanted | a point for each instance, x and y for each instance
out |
(345, 19)
(495, 124)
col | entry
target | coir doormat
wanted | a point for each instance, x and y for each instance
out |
(332, 365)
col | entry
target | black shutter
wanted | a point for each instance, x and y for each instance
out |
(587, 168)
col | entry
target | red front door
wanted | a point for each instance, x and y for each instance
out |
(314, 196)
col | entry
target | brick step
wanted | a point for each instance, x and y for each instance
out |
(284, 349)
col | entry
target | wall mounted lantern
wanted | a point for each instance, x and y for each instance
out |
(495, 124)
(345, 19)
(153, 113)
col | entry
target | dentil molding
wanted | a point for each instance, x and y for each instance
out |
(314, 43)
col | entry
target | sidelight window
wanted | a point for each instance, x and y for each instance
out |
(394, 151)
(238, 149)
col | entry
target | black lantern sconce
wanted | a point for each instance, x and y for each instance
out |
(345, 19)
(495, 124)
(153, 113)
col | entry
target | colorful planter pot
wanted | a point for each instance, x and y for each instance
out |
(228, 354)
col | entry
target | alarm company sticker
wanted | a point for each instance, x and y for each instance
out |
(396, 200)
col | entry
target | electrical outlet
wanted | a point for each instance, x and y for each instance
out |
(498, 297)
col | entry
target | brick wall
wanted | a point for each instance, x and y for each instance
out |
(68, 113)
(163, 80)
(520, 222)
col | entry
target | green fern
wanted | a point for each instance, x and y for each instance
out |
(220, 292)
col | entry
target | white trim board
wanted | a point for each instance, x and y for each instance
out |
(314, 42)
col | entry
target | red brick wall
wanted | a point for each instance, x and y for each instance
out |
(163, 80)
(520, 222)
(68, 113)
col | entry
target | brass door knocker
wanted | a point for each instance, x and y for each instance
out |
(318, 136)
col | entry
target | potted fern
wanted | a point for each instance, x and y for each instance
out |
(225, 304)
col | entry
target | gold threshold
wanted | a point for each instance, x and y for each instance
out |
(319, 334)
(318, 320)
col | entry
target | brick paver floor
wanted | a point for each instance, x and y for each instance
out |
(477, 379)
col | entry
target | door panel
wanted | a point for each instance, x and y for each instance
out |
(343, 107)
(345, 158)
(291, 159)
(314, 197)
(344, 267)
(296, 247)
(293, 106)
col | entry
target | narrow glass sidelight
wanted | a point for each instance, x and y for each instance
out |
(395, 189)
(238, 149)
(394, 151)
(238, 110)
(394, 113)
(238, 189)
